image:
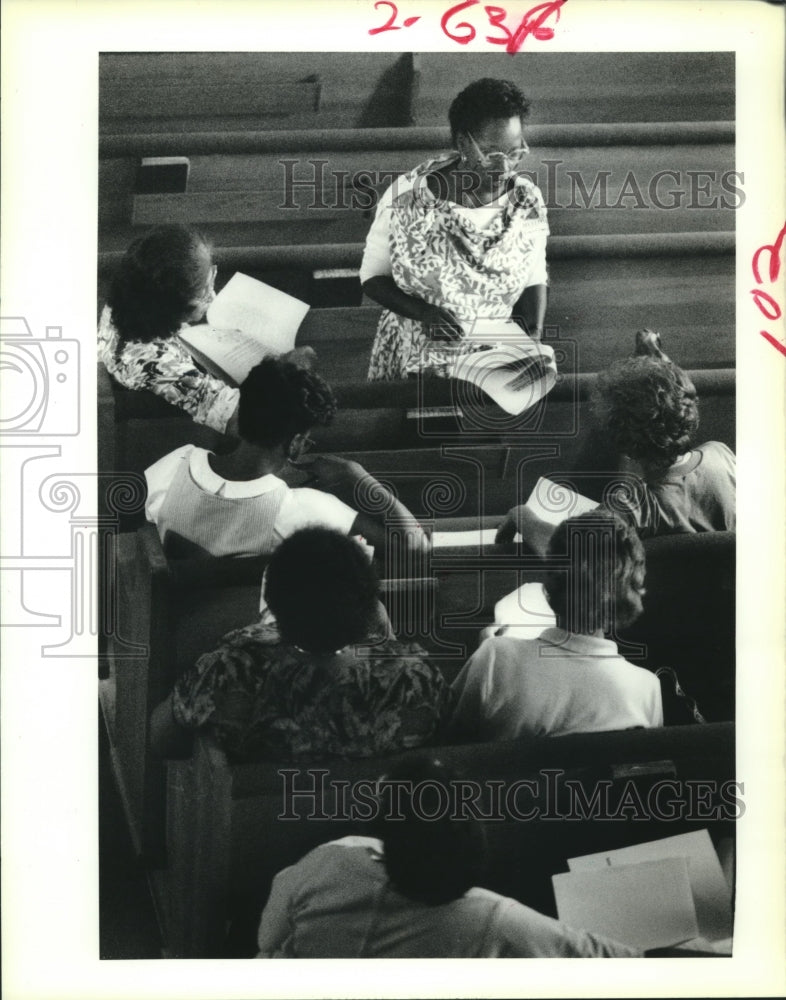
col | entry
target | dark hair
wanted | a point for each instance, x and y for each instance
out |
(649, 409)
(322, 589)
(279, 399)
(430, 860)
(160, 275)
(483, 101)
(602, 584)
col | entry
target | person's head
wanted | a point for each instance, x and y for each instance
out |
(323, 590)
(648, 409)
(486, 120)
(165, 279)
(279, 402)
(431, 856)
(601, 582)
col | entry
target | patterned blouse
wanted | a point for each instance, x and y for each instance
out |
(439, 255)
(265, 699)
(165, 367)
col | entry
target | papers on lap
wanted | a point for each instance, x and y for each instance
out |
(664, 892)
(506, 354)
(246, 321)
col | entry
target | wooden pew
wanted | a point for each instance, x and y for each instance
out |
(170, 611)
(230, 828)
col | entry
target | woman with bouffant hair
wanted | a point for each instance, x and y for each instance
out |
(571, 679)
(647, 407)
(164, 282)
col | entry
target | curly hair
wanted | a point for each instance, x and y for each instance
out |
(483, 101)
(602, 584)
(429, 858)
(279, 399)
(158, 279)
(322, 589)
(649, 409)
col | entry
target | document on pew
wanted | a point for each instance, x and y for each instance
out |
(554, 502)
(246, 321)
(470, 538)
(508, 353)
(711, 891)
(649, 905)
(524, 614)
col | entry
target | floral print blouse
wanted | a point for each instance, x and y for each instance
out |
(165, 367)
(264, 699)
(439, 255)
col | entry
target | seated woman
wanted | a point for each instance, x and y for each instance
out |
(571, 679)
(236, 504)
(459, 238)
(166, 281)
(410, 894)
(646, 412)
(330, 680)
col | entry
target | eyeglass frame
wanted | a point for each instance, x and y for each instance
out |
(509, 159)
(208, 291)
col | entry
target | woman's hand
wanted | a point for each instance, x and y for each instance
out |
(440, 323)
(535, 532)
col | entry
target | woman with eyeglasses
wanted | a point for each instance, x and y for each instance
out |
(461, 238)
(164, 281)
(237, 504)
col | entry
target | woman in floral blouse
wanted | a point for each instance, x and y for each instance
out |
(165, 280)
(462, 238)
(330, 680)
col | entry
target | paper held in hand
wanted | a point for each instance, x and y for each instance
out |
(514, 370)
(246, 321)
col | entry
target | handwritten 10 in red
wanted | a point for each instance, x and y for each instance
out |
(533, 23)
(768, 306)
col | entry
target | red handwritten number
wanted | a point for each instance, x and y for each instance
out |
(389, 25)
(774, 250)
(470, 33)
(496, 16)
(535, 27)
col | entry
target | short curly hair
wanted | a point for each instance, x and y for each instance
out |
(279, 399)
(649, 410)
(483, 101)
(322, 589)
(601, 584)
(159, 277)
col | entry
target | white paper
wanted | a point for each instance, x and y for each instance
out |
(229, 354)
(259, 310)
(554, 502)
(486, 369)
(711, 892)
(473, 537)
(645, 906)
(525, 613)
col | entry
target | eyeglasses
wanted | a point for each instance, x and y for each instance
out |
(208, 293)
(498, 160)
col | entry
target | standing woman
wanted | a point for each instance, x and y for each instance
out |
(459, 238)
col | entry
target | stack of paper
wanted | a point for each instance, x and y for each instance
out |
(665, 892)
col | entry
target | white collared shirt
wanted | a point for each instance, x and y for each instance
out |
(300, 508)
(556, 684)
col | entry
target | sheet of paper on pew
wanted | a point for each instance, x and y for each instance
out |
(246, 321)
(668, 892)
(493, 370)
(554, 502)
